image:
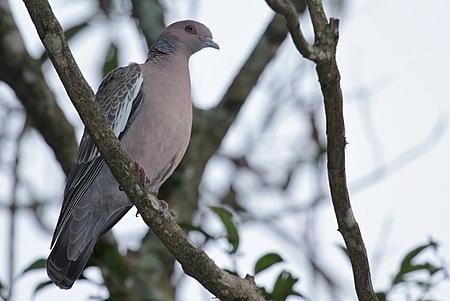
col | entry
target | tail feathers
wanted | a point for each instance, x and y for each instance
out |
(74, 246)
(63, 271)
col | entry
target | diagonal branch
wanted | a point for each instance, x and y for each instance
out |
(194, 261)
(326, 38)
(23, 74)
(219, 119)
(149, 16)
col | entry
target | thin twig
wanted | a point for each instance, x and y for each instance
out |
(318, 17)
(326, 38)
(194, 261)
(13, 211)
(287, 9)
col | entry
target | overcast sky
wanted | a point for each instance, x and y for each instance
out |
(393, 57)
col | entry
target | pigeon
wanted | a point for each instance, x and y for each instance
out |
(149, 109)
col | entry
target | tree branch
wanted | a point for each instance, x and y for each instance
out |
(149, 16)
(318, 17)
(287, 9)
(216, 122)
(13, 211)
(182, 188)
(326, 38)
(195, 262)
(23, 74)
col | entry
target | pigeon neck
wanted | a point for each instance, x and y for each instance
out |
(163, 45)
(162, 49)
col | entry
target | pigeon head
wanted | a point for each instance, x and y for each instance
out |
(189, 36)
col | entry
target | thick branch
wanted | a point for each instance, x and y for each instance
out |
(195, 262)
(149, 15)
(329, 77)
(215, 123)
(23, 74)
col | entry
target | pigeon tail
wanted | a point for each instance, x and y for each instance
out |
(63, 271)
(71, 253)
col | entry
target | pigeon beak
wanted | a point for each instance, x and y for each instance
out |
(208, 42)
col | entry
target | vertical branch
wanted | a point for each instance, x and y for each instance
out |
(318, 17)
(324, 55)
(24, 75)
(12, 211)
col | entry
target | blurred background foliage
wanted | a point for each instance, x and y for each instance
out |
(222, 185)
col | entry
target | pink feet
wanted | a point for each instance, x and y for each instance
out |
(143, 175)
(163, 206)
(164, 210)
(144, 179)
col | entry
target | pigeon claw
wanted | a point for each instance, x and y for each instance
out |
(144, 178)
(164, 210)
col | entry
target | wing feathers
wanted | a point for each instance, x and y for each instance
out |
(120, 97)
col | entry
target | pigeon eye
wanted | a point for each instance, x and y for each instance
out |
(190, 29)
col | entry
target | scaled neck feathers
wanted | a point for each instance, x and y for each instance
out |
(161, 48)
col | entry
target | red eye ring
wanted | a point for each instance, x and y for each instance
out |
(190, 29)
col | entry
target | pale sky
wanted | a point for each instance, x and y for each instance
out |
(397, 50)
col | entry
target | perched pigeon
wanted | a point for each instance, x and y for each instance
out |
(149, 109)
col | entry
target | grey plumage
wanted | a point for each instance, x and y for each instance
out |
(149, 109)
(120, 97)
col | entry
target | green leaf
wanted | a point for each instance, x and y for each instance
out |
(267, 261)
(74, 30)
(265, 293)
(227, 219)
(430, 268)
(106, 255)
(407, 265)
(344, 250)
(111, 60)
(2, 288)
(191, 227)
(284, 287)
(413, 253)
(381, 296)
(38, 264)
(41, 286)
